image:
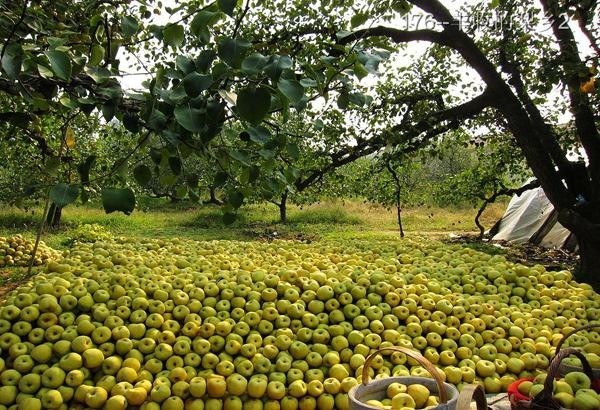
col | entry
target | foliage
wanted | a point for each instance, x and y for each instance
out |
(226, 78)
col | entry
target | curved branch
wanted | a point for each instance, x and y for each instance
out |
(14, 29)
(413, 137)
(399, 36)
(495, 195)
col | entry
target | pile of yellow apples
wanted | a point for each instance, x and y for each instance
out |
(178, 324)
(402, 396)
(17, 251)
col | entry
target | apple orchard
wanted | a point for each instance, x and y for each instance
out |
(254, 102)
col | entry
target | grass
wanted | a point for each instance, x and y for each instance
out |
(325, 219)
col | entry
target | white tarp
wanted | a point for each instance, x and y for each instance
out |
(556, 237)
(524, 216)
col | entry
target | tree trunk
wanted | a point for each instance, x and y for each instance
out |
(213, 197)
(54, 215)
(283, 208)
(588, 270)
(585, 225)
(397, 196)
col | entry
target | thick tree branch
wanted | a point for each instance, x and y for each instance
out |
(495, 195)
(580, 105)
(409, 137)
(398, 36)
(527, 135)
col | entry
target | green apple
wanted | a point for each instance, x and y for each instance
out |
(297, 388)
(419, 393)
(565, 399)
(53, 377)
(561, 386)
(96, 397)
(400, 400)
(8, 395)
(577, 380)
(172, 403)
(586, 400)
(92, 358)
(30, 403)
(117, 402)
(136, 396)
(51, 399)
(160, 393)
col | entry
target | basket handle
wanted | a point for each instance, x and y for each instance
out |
(469, 393)
(545, 395)
(415, 355)
(572, 332)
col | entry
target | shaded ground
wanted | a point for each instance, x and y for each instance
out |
(525, 253)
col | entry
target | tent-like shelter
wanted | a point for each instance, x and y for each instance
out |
(530, 217)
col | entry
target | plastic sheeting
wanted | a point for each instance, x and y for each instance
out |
(525, 215)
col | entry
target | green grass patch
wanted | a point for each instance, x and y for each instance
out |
(330, 219)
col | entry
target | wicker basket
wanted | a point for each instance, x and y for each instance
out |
(566, 368)
(544, 400)
(450, 399)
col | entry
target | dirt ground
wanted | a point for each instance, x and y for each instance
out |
(526, 253)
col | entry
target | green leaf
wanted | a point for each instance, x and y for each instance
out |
(63, 194)
(227, 6)
(142, 174)
(291, 89)
(220, 179)
(235, 199)
(276, 65)
(358, 19)
(253, 104)
(120, 168)
(109, 110)
(118, 199)
(44, 71)
(175, 165)
(233, 51)
(156, 120)
(293, 150)
(131, 123)
(192, 119)
(205, 59)
(343, 101)
(258, 134)
(360, 71)
(201, 22)
(51, 165)
(240, 156)
(185, 64)
(254, 64)
(401, 6)
(60, 64)
(195, 83)
(129, 26)
(173, 35)
(99, 74)
(96, 55)
(12, 60)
